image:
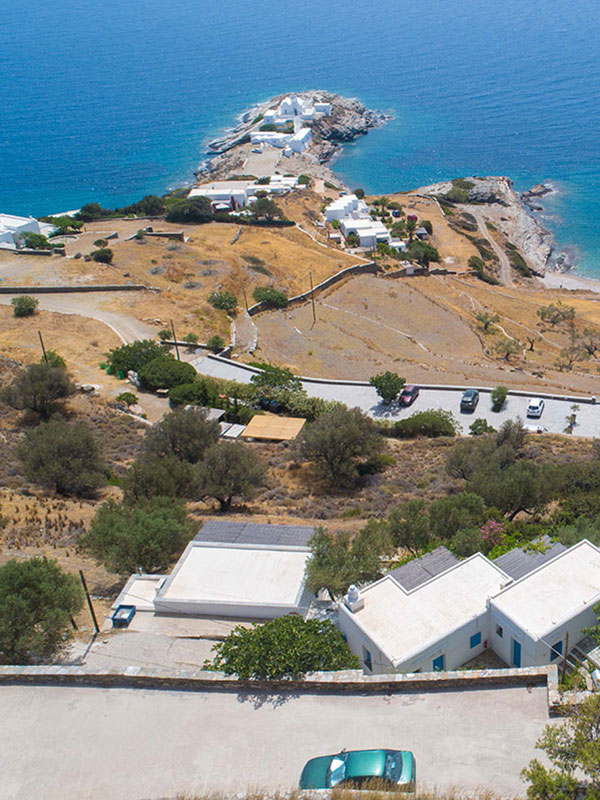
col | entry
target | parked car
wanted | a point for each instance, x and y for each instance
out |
(386, 770)
(469, 400)
(535, 429)
(408, 395)
(535, 408)
(395, 213)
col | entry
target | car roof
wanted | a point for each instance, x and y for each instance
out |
(361, 763)
(535, 401)
(470, 392)
(409, 387)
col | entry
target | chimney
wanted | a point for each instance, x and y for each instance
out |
(353, 599)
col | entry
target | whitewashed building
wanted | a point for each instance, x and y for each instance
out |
(239, 194)
(450, 617)
(11, 228)
(234, 570)
(353, 217)
(294, 107)
(348, 205)
(299, 141)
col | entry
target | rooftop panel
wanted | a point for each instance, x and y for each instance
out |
(419, 570)
(254, 533)
(519, 562)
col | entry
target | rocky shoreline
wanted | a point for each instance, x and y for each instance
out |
(348, 120)
(513, 214)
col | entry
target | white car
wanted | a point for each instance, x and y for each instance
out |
(535, 429)
(535, 408)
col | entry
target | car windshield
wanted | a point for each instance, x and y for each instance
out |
(393, 766)
(336, 771)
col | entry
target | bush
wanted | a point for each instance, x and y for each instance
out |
(186, 434)
(104, 255)
(37, 602)
(360, 193)
(388, 385)
(38, 388)
(165, 372)
(216, 343)
(303, 180)
(431, 424)
(54, 360)
(422, 252)
(189, 210)
(499, 395)
(129, 398)
(145, 536)
(100, 243)
(154, 476)
(285, 647)
(425, 223)
(228, 470)
(164, 334)
(191, 338)
(480, 427)
(224, 301)
(64, 457)
(133, 356)
(337, 441)
(270, 297)
(24, 305)
(187, 394)
(35, 241)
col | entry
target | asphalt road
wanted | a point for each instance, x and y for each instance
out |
(76, 742)
(365, 397)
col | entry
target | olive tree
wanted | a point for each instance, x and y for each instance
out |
(229, 470)
(337, 441)
(184, 433)
(39, 388)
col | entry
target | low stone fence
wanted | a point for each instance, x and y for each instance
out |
(125, 287)
(347, 681)
(356, 269)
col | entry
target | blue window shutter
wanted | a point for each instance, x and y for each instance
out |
(475, 639)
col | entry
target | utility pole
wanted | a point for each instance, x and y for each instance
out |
(564, 671)
(312, 297)
(175, 340)
(43, 348)
(89, 602)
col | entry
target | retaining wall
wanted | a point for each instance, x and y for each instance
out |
(125, 287)
(347, 681)
(355, 269)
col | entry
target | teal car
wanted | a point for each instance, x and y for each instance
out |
(387, 770)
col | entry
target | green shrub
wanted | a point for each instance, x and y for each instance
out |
(39, 387)
(270, 297)
(127, 397)
(191, 338)
(216, 343)
(164, 334)
(360, 193)
(425, 223)
(499, 395)
(164, 372)
(24, 305)
(133, 356)
(54, 360)
(35, 241)
(104, 255)
(480, 427)
(431, 424)
(223, 300)
(189, 210)
(422, 252)
(100, 243)
(457, 195)
(303, 180)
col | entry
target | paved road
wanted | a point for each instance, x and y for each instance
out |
(365, 397)
(61, 742)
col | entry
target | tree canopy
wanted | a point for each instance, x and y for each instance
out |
(337, 441)
(388, 385)
(39, 388)
(134, 356)
(37, 601)
(285, 647)
(63, 456)
(184, 433)
(229, 470)
(147, 535)
(164, 372)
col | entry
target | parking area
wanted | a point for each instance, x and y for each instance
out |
(133, 743)
(554, 416)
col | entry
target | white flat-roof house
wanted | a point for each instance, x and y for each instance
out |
(11, 228)
(234, 570)
(299, 141)
(294, 107)
(370, 232)
(353, 217)
(238, 194)
(451, 617)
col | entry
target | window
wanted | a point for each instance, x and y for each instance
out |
(438, 663)
(556, 651)
(475, 639)
(499, 631)
(368, 661)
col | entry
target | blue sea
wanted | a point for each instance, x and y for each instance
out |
(110, 101)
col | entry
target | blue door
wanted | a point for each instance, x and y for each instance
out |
(516, 653)
(556, 650)
(438, 663)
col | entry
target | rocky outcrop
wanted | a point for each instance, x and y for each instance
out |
(531, 197)
(495, 197)
(348, 120)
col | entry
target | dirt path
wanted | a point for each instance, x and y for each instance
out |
(89, 304)
(505, 270)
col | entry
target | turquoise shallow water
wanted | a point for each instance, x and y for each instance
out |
(112, 101)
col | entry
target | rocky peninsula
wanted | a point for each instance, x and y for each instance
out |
(348, 120)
